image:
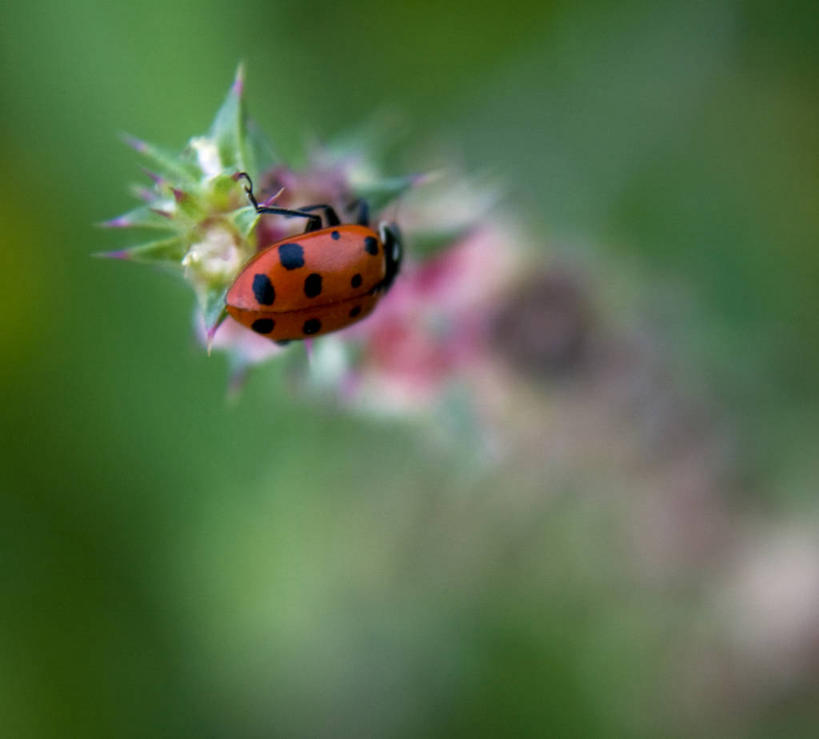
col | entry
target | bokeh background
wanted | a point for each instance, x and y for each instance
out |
(644, 561)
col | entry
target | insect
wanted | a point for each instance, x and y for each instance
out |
(323, 280)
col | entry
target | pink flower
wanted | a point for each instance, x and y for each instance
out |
(432, 329)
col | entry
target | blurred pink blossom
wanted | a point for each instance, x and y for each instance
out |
(433, 328)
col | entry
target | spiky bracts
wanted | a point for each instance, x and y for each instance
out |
(204, 222)
(204, 226)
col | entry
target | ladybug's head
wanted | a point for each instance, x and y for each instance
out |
(393, 252)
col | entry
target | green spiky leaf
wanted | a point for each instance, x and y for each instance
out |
(260, 149)
(244, 220)
(223, 193)
(177, 167)
(212, 303)
(229, 126)
(187, 204)
(167, 252)
(143, 217)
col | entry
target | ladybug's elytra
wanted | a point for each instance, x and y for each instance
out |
(323, 280)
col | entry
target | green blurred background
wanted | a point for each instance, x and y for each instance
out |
(173, 565)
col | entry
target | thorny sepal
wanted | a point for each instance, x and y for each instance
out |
(163, 252)
(260, 148)
(180, 168)
(229, 128)
(214, 311)
(244, 220)
(144, 217)
(196, 199)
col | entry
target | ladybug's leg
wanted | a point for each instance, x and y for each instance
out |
(330, 214)
(393, 251)
(313, 221)
(363, 216)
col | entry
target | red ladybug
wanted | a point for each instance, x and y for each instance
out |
(324, 280)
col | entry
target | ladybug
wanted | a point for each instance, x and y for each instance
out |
(323, 280)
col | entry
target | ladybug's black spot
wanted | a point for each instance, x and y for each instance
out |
(291, 256)
(335, 235)
(263, 325)
(356, 281)
(371, 245)
(312, 285)
(355, 311)
(282, 342)
(263, 289)
(311, 326)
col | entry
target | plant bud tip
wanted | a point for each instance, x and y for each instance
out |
(119, 222)
(118, 254)
(157, 178)
(273, 197)
(134, 142)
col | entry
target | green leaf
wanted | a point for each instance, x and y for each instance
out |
(177, 167)
(212, 303)
(228, 128)
(224, 191)
(244, 220)
(166, 252)
(142, 217)
(261, 152)
(188, 204)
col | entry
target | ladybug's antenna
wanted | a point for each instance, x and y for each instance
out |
(313, 221)
(248, 187)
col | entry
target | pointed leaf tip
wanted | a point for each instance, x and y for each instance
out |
(142, 193)
(228, 128)
(164, 252)
(214, 310)
(239, 80)
(135, 143)
(273, 197)
(158, 179)
(116, 254)
(118, 222)
(141, 217)
(168, 163)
